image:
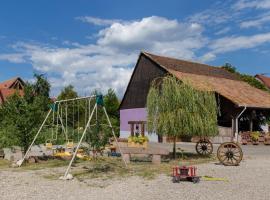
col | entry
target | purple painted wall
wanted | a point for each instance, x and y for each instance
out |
(136, 114)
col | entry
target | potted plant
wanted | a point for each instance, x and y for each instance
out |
(138, 141)
(255, 137)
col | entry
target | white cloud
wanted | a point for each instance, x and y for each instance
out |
(13, 57)
(98, 21)
(223, 31)
(256, 22)
(234, 43)
(258, 4)
(228, 44)
(218, 13)
(109, 62)
(207, 57)
(156, 34)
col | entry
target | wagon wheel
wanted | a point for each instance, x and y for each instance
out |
(204, 147)
(229, 154)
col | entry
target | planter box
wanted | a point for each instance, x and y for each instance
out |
(261, 138)
(138, 145)
(267, 140)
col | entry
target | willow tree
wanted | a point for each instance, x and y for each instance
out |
(176, 109)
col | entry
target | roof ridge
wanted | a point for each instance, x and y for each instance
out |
(8, 83)
(189, 61)
(201, 68)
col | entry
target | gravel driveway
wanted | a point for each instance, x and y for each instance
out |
(248, 181)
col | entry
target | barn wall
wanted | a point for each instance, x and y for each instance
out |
(136, 114)
(126, 115)
(136, 94)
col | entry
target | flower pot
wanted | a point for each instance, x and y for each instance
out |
(138, 145)
(255, 142)
(267, 140)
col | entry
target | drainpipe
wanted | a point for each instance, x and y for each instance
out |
(236, 124)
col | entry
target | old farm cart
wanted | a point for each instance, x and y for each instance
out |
(228, 153)
(98, 105)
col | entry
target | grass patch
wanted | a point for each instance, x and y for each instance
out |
(4, 163)
(44, 165)
(105, 168)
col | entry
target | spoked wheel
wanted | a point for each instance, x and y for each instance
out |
(230, 154)
(204, 147)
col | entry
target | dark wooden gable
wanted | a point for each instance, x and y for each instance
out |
(18, 84)
(144, 72)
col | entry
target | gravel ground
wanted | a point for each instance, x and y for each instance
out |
(250, 180)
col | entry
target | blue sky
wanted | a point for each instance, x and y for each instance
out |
(95, 44)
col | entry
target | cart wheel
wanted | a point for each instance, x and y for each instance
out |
(196, 180)
(230, 154)
(204, 147)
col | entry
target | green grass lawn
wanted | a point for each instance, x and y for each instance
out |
(4, 164)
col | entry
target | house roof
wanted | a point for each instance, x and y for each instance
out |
(205, 77)
(11, 82)
(5, 93)
(9, 87)
(191, 67)
(264, 79)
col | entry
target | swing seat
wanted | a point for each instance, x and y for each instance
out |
(70, 144)
(49, 144)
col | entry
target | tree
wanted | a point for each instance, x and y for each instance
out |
(67, 93)
(111, 103)
(98, 136)
(251, 80)
(176, 109)
(23, 115)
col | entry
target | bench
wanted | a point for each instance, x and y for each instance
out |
(155, 152)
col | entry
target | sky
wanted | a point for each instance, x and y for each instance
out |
(94, 44)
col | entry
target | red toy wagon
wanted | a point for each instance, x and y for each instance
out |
(185, 174)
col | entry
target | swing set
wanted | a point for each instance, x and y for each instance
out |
(60, 120)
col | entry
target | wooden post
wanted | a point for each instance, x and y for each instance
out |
(132, 129)
(251, 122)
(142, 129)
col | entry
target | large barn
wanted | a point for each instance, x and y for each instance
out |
(239, 104)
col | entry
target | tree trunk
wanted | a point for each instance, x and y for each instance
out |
(174, 147)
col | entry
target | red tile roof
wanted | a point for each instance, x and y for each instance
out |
(9, 87)
(191, 67)
(205, 77)
(264, 79)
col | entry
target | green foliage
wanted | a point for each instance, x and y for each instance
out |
(251, 80)
(21, 116)
(42, 86)
(99, 135)
(67, 93)
(111, 103)
(176, 109)
(255, 136)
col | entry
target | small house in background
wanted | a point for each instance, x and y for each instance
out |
(264, 80)
(239, 104)
(10, 87)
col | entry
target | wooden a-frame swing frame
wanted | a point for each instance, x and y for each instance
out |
(99, 104)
